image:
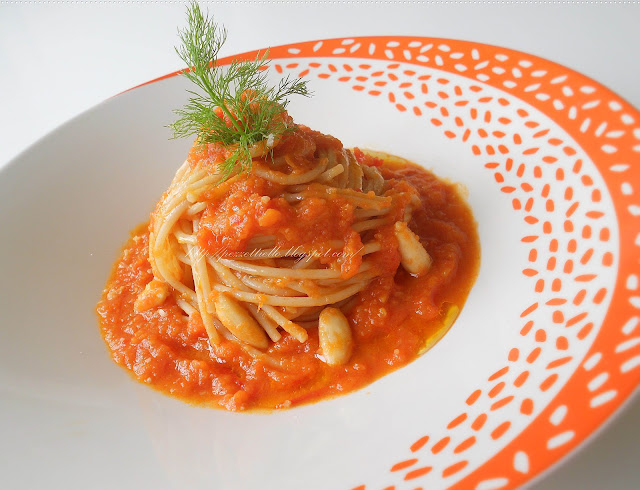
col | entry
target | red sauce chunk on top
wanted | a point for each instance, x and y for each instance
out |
(228, 224)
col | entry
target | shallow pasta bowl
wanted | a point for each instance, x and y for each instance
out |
(544, 351)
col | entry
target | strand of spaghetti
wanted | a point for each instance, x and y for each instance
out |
(372, 201)
(319, 285)
(170, 219)
(231, 280)
(183, 258)
(196, 190)
(289, 179)
(336, 285)
(273, 253)
(299, 333)
(310, 314)
(363, 201)
(261, 356)
(291, 312)
(304, 262)
(267, 299)
(343, 179)
(291, 163)
(333, 284)
(257, 270)
(359, 214)
(267, 262)
(370, 224)
(371, 247)
(375, 183)
(196, 208)
(189, 174)
(261, 241)
(328, 175)
(183, 177)
(201, 280)
(262, 286)
(262, 147)
(203, 289)
(185, 238)
(355, 173)
(185, 225)
(311, 288)
(180, 173)
(318, 188)
(179, 190)
(367, 248)
(292, 251)
(186, 307)
(265, 322)
(228, 277)
(183, 291)
(204, 179)
(329, 155)
(334, 160)
(279, 262)
(202, 174)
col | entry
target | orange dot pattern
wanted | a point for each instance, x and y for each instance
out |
(515, 170)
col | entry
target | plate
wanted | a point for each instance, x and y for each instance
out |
(545, 350)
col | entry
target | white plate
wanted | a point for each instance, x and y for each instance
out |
(545, 349)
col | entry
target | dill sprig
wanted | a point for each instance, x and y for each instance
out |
(237, 107)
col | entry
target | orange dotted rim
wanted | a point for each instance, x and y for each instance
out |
(547, 87)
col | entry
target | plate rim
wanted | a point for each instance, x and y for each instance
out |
(615, 408)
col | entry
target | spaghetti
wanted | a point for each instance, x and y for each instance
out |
(278, 259)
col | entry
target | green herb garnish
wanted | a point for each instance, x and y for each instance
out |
(238, 107)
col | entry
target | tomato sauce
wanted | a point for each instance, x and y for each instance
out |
(393, 320)
(250, 207)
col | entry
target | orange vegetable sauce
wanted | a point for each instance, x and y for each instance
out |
(393, 319)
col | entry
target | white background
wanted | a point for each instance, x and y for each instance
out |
(59, 58)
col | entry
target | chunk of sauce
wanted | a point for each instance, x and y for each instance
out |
(393, 319)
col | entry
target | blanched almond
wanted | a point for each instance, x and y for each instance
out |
(240, 322)
(334, 332)
(152, 295)
(415, 259)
